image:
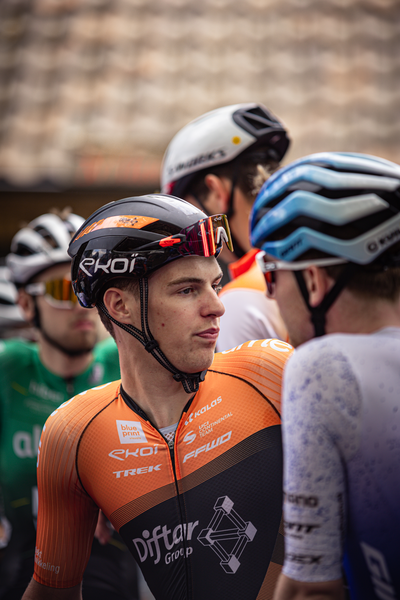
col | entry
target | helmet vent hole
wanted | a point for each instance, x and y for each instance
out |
(46, 236)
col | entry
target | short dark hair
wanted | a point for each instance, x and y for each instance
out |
(243, 170)
(371, 282)
(130, 284)
(379, 280)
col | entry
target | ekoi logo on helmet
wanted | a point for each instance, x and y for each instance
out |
(112, 265)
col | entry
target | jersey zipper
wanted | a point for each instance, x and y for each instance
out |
(183, 519)
(182, 515)
(136, 408)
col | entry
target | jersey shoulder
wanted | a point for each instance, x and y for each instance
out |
(342, 354)
(259, 362)
(71, 417)
(16, 354)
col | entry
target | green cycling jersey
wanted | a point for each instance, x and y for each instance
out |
(29, 392)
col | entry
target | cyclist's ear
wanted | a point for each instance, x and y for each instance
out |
(122, 305)
(218, 194)
(27, 305)
(318, 284)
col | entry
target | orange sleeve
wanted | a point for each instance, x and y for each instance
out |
(67, 515)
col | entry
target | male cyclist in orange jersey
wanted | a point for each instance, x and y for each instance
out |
(183, 454)
(212, 163)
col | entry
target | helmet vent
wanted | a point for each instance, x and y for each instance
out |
(259, 120)
(23, 250)
(6, 302)
(46, 236)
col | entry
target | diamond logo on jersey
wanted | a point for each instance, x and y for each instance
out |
(229, 542)
(131, 432)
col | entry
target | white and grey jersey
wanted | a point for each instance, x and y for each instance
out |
(341, 432)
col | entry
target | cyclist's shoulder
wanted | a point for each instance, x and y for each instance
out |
(333, 357)
(345, 346)
(255, 358)
(254, 351)
(81, 408)
(258, 363)
(17, 352)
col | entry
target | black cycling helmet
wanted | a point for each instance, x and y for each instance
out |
(132, 238)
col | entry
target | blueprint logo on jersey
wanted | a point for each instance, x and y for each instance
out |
(130, 432)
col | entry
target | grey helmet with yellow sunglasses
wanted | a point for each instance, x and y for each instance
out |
(132, 238)
(41, 244)
(38, 246)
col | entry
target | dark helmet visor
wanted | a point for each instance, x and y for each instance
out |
(95, 267)
(204, 238)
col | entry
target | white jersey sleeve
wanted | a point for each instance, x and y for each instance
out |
(249, 315)
(321, 403)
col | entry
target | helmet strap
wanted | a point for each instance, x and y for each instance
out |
(190, 381)
(318, 313)
(36, 315)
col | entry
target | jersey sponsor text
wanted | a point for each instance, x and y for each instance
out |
(210, 446)
(139, 471)
(130, 432)
(122, 454)
(149, 545)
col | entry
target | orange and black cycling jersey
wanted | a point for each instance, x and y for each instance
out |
(202, 518)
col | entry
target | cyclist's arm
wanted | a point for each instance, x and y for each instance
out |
(67, 515)
(288, 589)
(37, 591)
(321, 403)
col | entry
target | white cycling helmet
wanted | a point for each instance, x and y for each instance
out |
(219, 137)
(40, 245)
(10, 313)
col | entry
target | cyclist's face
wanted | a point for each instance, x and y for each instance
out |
(292, 307)
(72, 326)
(184, 311)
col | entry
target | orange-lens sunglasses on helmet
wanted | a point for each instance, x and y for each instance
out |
(57, 292)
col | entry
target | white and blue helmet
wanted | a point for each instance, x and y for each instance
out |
(344, 205)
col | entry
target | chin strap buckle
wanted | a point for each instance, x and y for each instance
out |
(189, 381)
(151, 345)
